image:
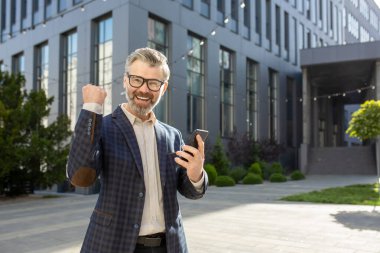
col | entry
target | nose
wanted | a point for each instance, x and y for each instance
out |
(144, 87)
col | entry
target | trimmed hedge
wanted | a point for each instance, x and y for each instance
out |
(277, 178)
(238, 174)
(222, 181)
(255, 168)
(251, 178)
(211, 173)
(297, 175)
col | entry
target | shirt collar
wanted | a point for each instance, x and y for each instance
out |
(133, 119)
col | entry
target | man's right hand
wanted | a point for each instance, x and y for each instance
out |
(93, 94)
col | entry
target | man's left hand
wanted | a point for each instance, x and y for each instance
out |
(195, 160)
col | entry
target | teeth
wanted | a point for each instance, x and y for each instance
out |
(143, 98)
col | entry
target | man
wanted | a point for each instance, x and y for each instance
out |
(138, 161)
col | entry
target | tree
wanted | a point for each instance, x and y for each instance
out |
(365, 122)
(219, 158)
(31, 153)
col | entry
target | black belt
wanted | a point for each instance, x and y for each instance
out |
(154, 240)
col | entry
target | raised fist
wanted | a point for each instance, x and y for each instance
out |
(93, 94)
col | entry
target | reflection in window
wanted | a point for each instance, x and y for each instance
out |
(36, 17)
(18, 64)
(188, 3)
(103, 59)
(62, 5)
(226, 92)
(195, 83)
(69, 82)
(42, 67)
(158, 39)
(48, 9)
(205, 8)
(252, 115)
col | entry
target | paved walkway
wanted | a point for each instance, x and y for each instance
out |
(243, 219)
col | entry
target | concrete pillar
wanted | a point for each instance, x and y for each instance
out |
(377, 85)
(306, 110)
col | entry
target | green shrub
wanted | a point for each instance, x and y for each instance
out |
(211, 173)
(297, 175)
(265, 169)
(238, 173)
(277, 178)
(219, 158)
(251, 178)
(255, 168)
(276, 167)
(222, 181)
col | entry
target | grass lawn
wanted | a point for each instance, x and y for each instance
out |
(360, 194)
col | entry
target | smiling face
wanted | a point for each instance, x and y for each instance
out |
(141, 101)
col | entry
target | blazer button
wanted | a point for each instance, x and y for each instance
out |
(136, 226)
(141, 195)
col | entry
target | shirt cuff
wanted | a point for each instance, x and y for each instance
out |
(199, 185)
(93, 107)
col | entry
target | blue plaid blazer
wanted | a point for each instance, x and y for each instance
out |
(107, 148)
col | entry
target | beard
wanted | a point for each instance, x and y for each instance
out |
(141, 110)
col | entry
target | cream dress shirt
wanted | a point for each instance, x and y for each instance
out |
(153, 220)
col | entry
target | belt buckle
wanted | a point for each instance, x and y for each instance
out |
(152, 242)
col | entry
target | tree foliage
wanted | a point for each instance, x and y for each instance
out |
(219, 158)
(32, 154)
(365, 122)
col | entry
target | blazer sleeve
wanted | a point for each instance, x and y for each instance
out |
(84, 163)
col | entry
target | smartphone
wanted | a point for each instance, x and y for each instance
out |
(192, 141)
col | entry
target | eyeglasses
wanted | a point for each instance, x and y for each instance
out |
(138, 81)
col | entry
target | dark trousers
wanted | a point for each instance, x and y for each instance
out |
(146, 249)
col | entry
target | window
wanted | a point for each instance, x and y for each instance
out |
(286, 31)
(13, 11)
(103, 59)
(308, 9)
(247, 20)
(18, 64)
(268, 20)
(68, 90)
(75, 2)
(234, 15)
(188, 3)
(205, 8)
(158, 39)
(3, 20)
(273, 104)
(226, 92)
(48, 9)
(252, 111)
(62, 5)
(363, 7)
(42, 67)
(36, 17)
(258, 16)
(278, 26)
(2, 66)
(220, 4)
(195, 83)
(24, 9)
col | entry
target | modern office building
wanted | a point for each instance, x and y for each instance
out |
(235, 63)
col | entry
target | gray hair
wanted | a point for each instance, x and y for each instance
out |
(151, 56)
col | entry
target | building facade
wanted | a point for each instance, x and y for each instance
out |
(235, 64)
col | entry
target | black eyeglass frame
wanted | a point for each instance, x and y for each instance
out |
(145, 80)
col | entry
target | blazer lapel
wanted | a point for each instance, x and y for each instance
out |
(126, 129)
(162, 151)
